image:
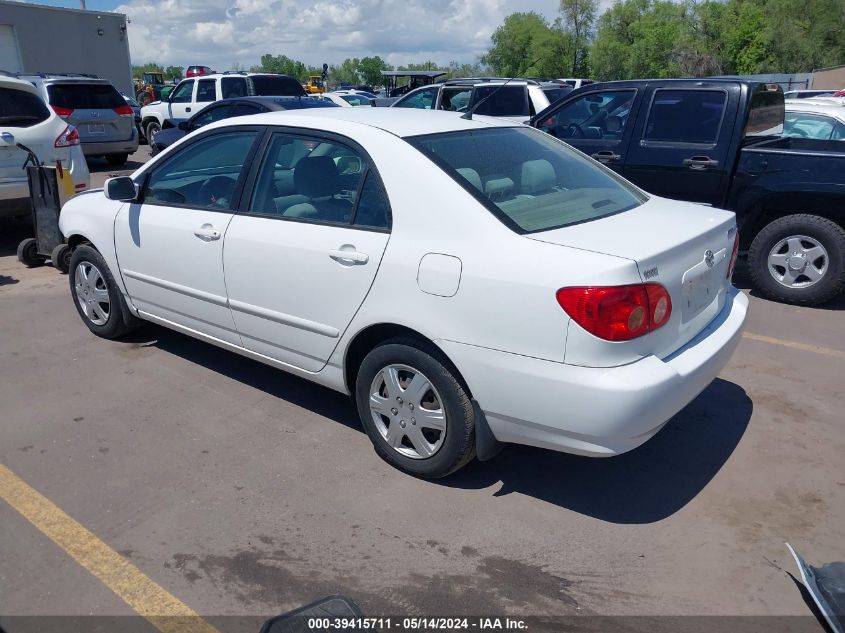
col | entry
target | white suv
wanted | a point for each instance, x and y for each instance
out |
(26, 119)
(193, 94)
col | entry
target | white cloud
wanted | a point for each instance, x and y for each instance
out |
(219, 33)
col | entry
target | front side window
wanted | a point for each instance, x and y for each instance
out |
(212, 114)
(805, 125)
(422, 99)
(19, 108)
(685, 116)
(182, 93)
(321, 180)
(527, 179)
(206, 90)
(600, 115)
(203, 175)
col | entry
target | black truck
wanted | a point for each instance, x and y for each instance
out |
(717, 142)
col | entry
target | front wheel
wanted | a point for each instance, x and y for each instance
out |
(95, 294)
(799, 259)
(117, 159)
(415, 411)
(152, 128)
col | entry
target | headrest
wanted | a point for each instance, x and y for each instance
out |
(538, 176)
(316, 177)
(472, 176)
(613, 124)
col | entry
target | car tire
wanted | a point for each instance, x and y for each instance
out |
(117, 159)
(97, 298)
(150, 130)
(61, 258)
(28, 253)
(815, 243)
(410, 439)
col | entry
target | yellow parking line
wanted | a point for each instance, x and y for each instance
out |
(835, 353)
(164, 611)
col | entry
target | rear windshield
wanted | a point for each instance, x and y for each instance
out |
(276, 86)
(501, 100)
(553, 94)
(529, 180)
(82, 96)
(21, 109)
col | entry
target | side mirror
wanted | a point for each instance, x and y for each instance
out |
(121, 188)
(184, 126)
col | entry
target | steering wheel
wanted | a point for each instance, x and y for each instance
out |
(574, 131)
(216, 191)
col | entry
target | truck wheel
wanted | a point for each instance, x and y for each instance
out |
(117, 159)
(28, 253)
(799, 259)
(416, 413)
(152, 128)
(61, 258)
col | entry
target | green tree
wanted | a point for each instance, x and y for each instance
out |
(577, 19)
(370, 69)
(346, 72)
(151, 67)
(173, 73)
(281, 64)
(517, 43)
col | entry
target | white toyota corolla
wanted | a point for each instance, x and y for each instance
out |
(468, 282)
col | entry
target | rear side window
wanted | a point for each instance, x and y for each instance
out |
(805, 125)
(82, 96)
(233, 87)
(553, 94)
(530, 181)
(206, 90)
(685, 116)
(501, 101)
(21, 109)
(766, 112)
(276, 86)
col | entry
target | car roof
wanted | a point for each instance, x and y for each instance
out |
(281, 102)
(18, 84)
(402, 122)
(800, 105)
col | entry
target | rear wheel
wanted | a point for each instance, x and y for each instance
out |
(28, 253)
(799, 259)
(96, 295)
(117, 159)
(415, 411)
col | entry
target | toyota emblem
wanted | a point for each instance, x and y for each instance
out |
(709, 258)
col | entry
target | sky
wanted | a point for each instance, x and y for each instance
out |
(222, 33)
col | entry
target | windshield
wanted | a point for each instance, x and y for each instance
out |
(529, 180)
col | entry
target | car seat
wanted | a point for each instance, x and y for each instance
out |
(317, 178)
(538, 177)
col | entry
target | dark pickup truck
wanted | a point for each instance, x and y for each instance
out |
(717, 142)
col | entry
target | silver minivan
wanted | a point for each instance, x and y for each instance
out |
(106, 123)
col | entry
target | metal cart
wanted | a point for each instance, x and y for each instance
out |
(46, 197)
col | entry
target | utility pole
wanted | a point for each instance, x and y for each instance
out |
(82, 2)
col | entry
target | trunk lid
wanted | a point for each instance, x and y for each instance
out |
(684, 247)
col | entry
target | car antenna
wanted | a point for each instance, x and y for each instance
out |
(468, 114)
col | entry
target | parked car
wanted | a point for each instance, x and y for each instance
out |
(717, 142)
(512, 99)
(191, 95)
(809, 119)
(807, 94)
(575, 83)
(103, 119)
(355, 91)
(26, 119)
(468, 282)
(228, 108)
(197, 71)
(345, 99)
(136, 111)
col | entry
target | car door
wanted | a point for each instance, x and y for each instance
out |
(302, 253)
(206, 93)
(169, 244)
(681, 144)
(598, 123)
(180, 100)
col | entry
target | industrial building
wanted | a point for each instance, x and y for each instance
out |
(36, 38)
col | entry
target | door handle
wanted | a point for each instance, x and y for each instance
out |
(207, 233)
(349, 256)
(700, 162)
(606, 156)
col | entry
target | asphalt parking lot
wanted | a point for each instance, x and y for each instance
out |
(241, 490)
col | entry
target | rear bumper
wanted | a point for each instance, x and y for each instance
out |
(128, 146)
(595, 411)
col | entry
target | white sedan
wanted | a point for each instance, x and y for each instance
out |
(467, 282)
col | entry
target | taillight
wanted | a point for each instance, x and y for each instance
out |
(124, 110)
(62, 111)
(617, 313)
(67, 138)
(734, 254)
